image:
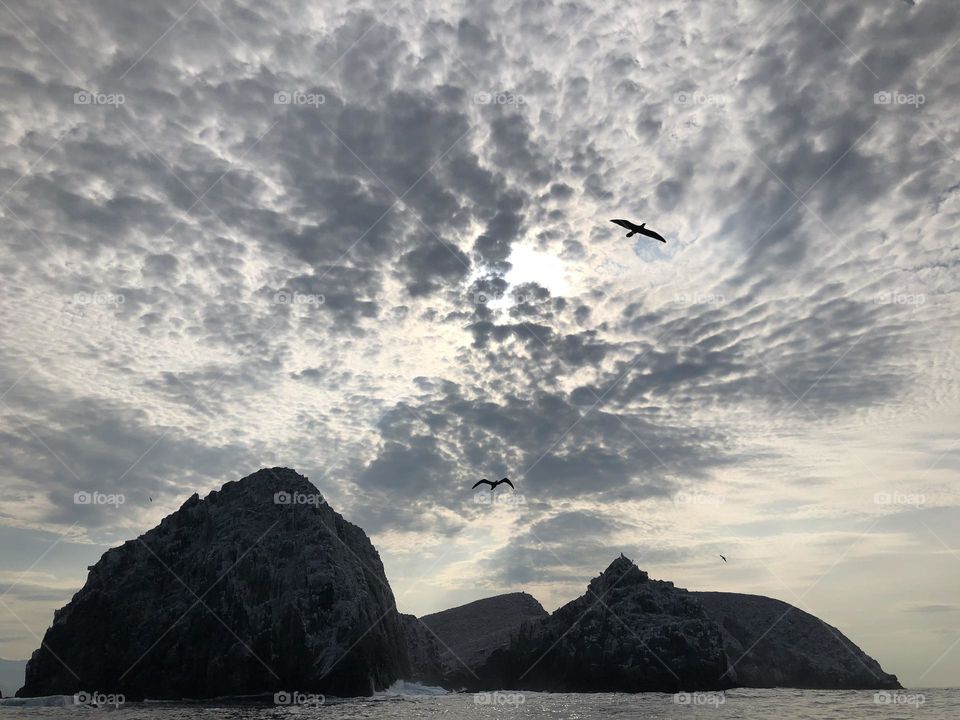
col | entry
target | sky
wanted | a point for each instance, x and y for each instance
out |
(371, 241)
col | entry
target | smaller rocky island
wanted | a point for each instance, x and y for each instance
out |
(262, 587)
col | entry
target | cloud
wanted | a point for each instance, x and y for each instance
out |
(294, 242)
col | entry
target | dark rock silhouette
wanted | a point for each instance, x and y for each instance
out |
(770, 643)
(626, 634)
(233, 594)
(629, 633)
(424, 653)
(468, 634)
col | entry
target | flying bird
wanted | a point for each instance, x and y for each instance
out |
(641, 228)
(493, 484)
(723, 558)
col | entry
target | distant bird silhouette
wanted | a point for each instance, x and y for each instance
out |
(493, 484)
(723, 558)
(151, 499)
(642, 229)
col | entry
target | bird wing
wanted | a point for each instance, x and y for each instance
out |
(625, 224)
(481, 482)
(506, 481)
(651, 233)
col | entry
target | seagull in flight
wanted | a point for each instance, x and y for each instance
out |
(723, 558)
(641, 228)
(493, 484)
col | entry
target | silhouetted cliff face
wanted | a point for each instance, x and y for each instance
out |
(233, 594)
(469, 633)
(424, 653)
(627, 633)
(770, 643)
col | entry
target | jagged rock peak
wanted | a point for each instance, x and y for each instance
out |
(622, 572)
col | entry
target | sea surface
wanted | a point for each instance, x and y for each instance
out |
(930, 704)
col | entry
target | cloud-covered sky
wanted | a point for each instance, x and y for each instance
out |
(370, 241)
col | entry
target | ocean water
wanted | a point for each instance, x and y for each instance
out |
(930, 704)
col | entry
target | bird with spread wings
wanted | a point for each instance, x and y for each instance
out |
(493, 485)
(641, 229)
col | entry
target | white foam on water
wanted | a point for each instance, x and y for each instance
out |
(403, 688)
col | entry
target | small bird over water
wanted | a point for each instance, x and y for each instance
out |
(641, 228)
(723, 558)
(493, 485)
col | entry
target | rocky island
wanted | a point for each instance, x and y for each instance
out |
(262, 587)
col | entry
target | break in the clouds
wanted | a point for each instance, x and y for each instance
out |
(371, 241)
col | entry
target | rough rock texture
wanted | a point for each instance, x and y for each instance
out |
(468, 634)
(232, 594)
(424, 652)
(786, 647)
(640, 635)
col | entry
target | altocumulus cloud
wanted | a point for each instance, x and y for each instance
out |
(277, 233)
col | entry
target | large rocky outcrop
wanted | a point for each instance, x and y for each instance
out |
(770, 643)
(237, 593)
(627, 633)
(465, 636)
